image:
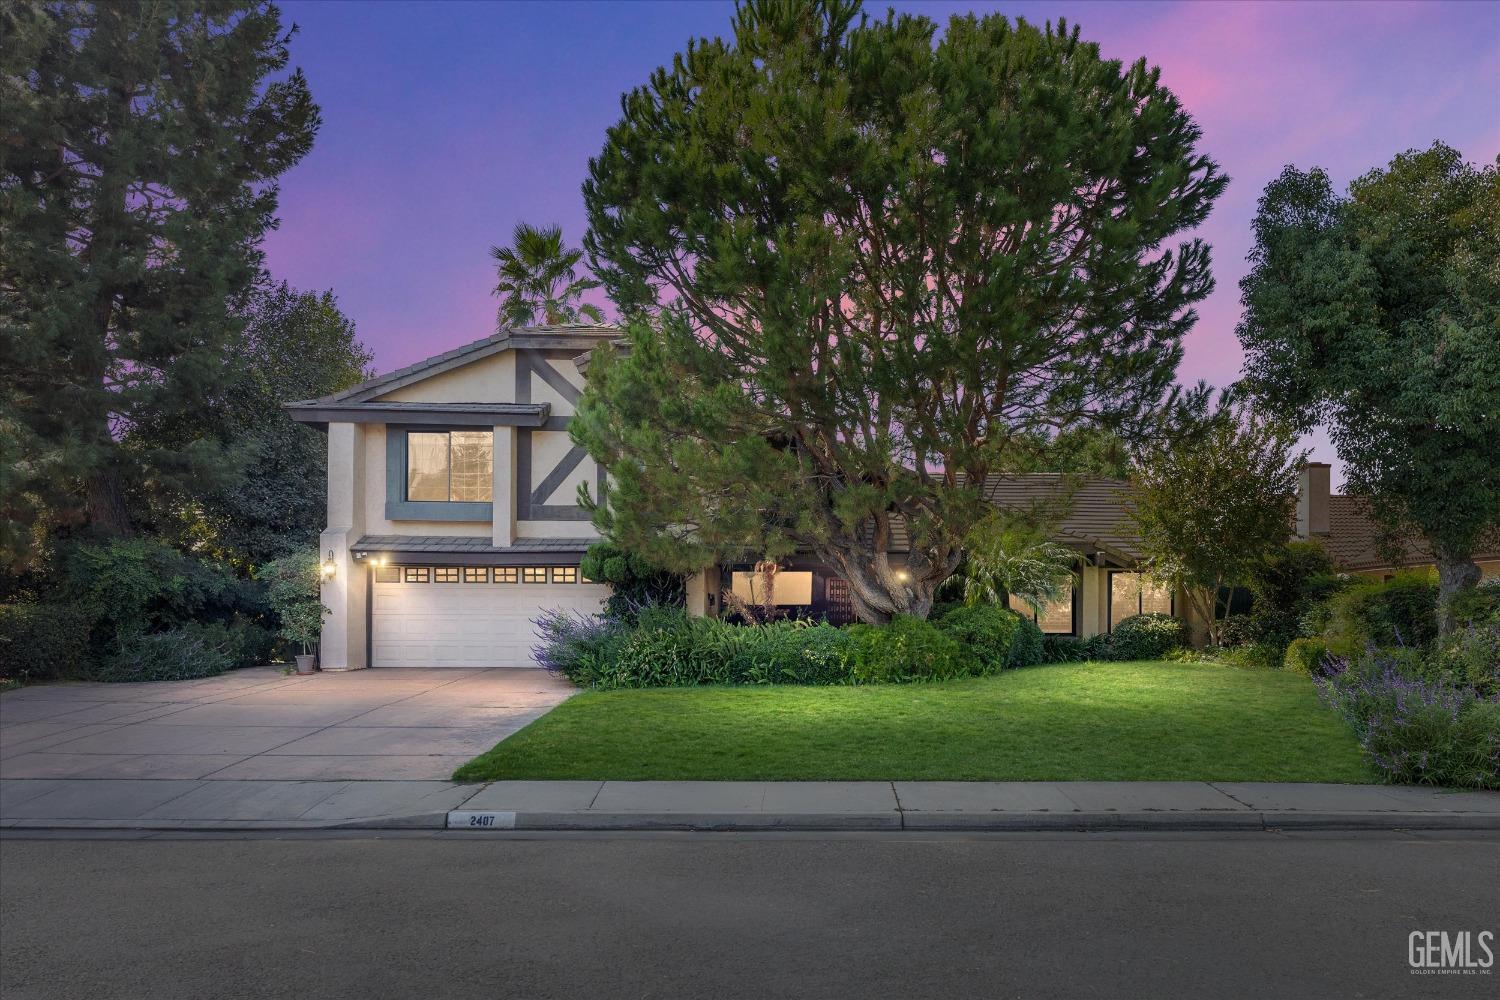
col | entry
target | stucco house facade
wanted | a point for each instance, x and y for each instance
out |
(452, 513)
(453, 518)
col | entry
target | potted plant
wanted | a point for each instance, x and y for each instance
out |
(293, 585)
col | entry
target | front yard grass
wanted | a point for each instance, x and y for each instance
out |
(1145, 721)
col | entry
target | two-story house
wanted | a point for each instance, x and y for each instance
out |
(452, 503)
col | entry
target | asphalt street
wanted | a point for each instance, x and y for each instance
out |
(740, 915)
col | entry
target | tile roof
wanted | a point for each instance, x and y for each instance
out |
(450, 544)
(1354, 540)
(1092, 514)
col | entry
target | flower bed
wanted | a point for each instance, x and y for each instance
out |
(1416, 729)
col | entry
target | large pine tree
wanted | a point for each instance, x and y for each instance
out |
(866, 264)
(143, 143)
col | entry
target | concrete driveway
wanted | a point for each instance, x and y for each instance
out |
(262, 725)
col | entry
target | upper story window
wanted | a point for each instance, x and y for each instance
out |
(455, 466)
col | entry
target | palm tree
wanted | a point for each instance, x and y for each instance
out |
(536, 280)
(1003, 558)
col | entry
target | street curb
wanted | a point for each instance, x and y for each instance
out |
(997, 822)
(419, 821)
(975, 821)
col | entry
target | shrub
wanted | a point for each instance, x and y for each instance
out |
(634, 582)
(1306, 656)
(1471, 657)
(1146, 637)
(185, 653)
(255, 645)
(791, 652)
(1063, 649)
(1401, 611)
(1097, 647)
(942, 609)
(1255, 656)
(575, 645)
(43, 641)
(988, 632)
(1240, 630)
(142, 584)
(1416, 730)
(1026, 648)
(905, 649)
(1477, 605)
(1288, 585)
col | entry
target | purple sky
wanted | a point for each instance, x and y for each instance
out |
(446, 123)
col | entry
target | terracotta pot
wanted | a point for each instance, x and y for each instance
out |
(305, 663)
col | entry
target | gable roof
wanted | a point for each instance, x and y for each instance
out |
(570, 336)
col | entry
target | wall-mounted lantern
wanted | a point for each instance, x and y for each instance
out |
(329, 567)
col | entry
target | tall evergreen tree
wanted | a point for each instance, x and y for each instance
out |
(1378, 313)
(138, 177)
(536, 279)
(296, 345)
(865, 267)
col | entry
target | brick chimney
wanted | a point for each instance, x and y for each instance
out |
(1312, 499)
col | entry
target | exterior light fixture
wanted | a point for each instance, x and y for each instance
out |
(329, 566)
(902, 575)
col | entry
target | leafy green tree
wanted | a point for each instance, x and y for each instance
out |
(293, 589)
(1378, 314)
(865, 266)
(138, 175)
(296, 345)
(537, 280)
(1211, 507)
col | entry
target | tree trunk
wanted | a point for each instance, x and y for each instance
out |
(1456, 571)
(877, 591)
(107, 513)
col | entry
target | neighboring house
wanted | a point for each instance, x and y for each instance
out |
(1092, 517)
(1352, 538)
(453, 517)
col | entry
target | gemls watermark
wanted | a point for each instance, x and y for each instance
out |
(1439, 953)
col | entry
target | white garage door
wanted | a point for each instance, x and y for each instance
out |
(446, 616)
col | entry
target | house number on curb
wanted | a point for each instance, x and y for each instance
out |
(466, 820)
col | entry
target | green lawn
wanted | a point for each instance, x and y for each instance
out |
(1069, 722)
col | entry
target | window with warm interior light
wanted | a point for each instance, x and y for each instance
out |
(789, 588)
(1055, 618)
(450, 466)
(1136, 594)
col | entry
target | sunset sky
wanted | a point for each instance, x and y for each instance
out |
(446, 123)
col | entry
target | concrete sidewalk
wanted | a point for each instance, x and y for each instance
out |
(734, 805)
